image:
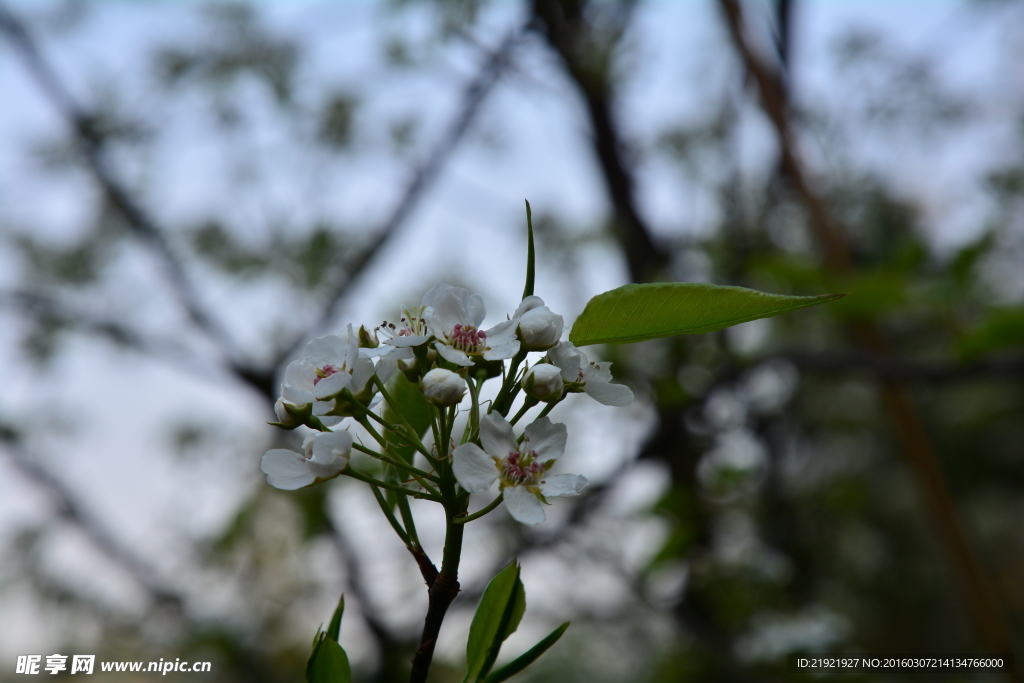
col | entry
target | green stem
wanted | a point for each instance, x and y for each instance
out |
(407, 519)
(391, 487)
(481, 512)
(504, 399)
(386, 509)
(529, 403)
(401, 465)
(411, 432)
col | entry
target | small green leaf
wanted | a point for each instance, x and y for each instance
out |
(527, 658)
(497, 617)
(531, 256)
(334, 628)
(634, 313)
(414, 408)
(328, 663)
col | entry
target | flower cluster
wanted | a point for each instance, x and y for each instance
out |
(440, 349)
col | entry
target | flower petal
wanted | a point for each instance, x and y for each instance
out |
(609, 394)
(568, 359)
(561, 485)
(546, 438)
(327, 350)
(361, 374)
(475, 311)
(412, 340)
(330, 453)
(446, 312)
(502, 351)
(502, 333)
(386, 368)
(474, 469)
(496, 436)
(529, 303)
(453, 355)
(286, 469)
(598, 371)
(523, 506)
(333, 385)
(435, 294)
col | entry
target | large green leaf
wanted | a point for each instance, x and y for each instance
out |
(527, 658)
(497, 617)
(634, 313)
(414, 408)
(328, 663)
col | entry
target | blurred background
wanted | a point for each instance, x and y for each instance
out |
(190, 191)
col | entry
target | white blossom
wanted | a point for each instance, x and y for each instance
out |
(325, 455)
(443, 387)
(592, 377)
(521, 470)
(453, 317)
(539, 328)
(543, 382)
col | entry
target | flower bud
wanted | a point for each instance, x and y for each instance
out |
(367, 339)
(543, 382)
(289, 415)
(539, 328)
(443, 387)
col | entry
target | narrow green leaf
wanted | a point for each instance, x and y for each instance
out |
(497, 617)
(328, 663)
(334, 628)
(634, 313)
(413, 406)
(531, 256)
(527, 658)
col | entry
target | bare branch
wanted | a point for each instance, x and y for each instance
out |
(586, 61)
(91, 143)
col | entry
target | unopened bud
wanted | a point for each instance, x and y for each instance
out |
(290, 416)
(539, 328)
(443, 387)
(543, 382)
(367, 339)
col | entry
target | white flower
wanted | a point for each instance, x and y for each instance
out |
(326, 455)
(539, 328)
(520, 469)
(543, 382)
(453, 317)
(592, 377)
(411, 329)
(443, 387)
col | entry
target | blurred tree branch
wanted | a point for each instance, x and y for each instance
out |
(70, 509)
(990, 620)
(92, 142)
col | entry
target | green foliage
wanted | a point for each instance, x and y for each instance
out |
(1000, 329)
(527, 658)
(413, 407)
(497, 617)
(329, 662)
(634, 313)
